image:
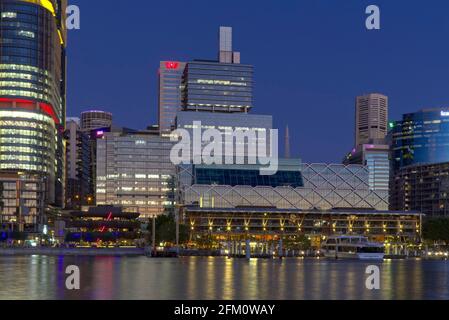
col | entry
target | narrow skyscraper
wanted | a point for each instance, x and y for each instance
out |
(371, 149)
(371, 118)
(170, 93)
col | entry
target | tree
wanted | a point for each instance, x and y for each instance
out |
(436, 229)
(166, 230)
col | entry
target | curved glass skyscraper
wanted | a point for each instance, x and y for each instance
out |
(421, 138)
(32, 107)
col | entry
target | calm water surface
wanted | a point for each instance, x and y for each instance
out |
(41, 277)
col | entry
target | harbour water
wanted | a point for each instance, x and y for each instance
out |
(191, 278)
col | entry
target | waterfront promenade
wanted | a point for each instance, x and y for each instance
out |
(72, 252)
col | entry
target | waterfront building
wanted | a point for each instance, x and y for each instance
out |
(421, 138)
(103, 225)
(79, 177)
(170, 93)
(322, 186)
(32, 108)
(423, 188)
(260, 226)
(134, 171)
(301, 200)
(377, 159)
(371, 118)
(95, 119)
(223, 85)
(419, 146)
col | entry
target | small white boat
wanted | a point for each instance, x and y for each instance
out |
(352, 247)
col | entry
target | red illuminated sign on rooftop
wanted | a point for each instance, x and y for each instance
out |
(172, 65)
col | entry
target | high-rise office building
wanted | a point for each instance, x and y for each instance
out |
(95, 123)
(377, 159)
(421, 138)
(227, 124)
(79, 189)
(371, 119)
(32, 108)
(170, 93)
(225, 85)
(423, 188)
(134, 171)
(420, 156)
(371, 149)
(95, 119)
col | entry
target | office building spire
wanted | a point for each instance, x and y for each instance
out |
(287, 143)
(225, 53)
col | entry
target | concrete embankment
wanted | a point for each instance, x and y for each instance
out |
(72, 251)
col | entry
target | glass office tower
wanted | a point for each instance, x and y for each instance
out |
(170, 93)
(421, 138)
(218, 87)
(32, 108)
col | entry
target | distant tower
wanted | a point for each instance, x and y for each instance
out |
(371, 118)
(287, 143)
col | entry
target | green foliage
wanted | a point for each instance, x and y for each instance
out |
(166, 230)
(15, 235)
(436, 229)
(300, 242)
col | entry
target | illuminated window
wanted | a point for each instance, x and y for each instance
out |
(10, 15)
(28, 34)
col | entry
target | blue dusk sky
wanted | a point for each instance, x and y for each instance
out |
(311, 58)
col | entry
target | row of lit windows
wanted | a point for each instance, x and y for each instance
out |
(9, 15)
(24, 141)
(23, 133)
(189, 126)
(23, 166)
(17, 84)
(20, 67)
(25, 115)
(216, 105)
(21, 93)
(22, 76)
(21, 158)
(221, 82)
(131, 189)
(143, 176)
(25, 124)
(143, 203)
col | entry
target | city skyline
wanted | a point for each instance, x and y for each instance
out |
(309, 84)
(302, 156)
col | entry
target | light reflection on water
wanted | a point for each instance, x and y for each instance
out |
(40, 277)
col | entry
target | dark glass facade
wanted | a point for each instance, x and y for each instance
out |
(421, 138)
(217, 87)
(422, 188)
(79, 189)
(32, 95)
(235, 177)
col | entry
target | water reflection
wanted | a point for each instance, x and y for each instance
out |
(38, 277)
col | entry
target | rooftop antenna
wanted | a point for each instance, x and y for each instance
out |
(287, 143)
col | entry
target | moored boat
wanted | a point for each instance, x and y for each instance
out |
(352, 247)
